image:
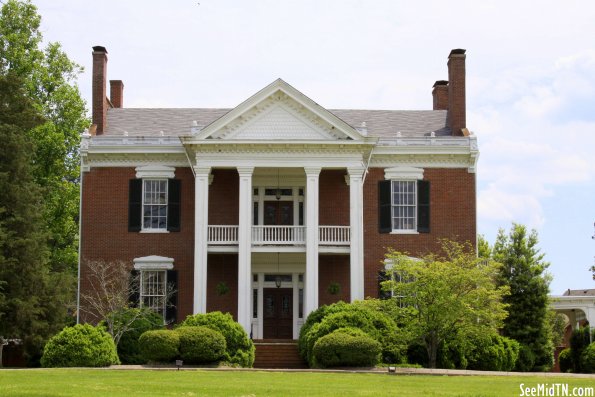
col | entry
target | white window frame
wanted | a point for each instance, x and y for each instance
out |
(395, 207)
(161, 288)
(154, 172)
(403, 174)
(154, 229)
(295, 197)
(153, 264)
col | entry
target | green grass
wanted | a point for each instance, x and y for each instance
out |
(128, 383)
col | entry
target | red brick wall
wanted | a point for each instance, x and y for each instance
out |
(224, 198)
(223, 268)
(333, 206)
(333, 268)
(105, 228)
(452, 216)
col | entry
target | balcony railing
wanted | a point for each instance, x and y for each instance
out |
(334, 235)
(223, 235)
(279, 235)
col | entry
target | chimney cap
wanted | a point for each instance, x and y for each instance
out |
(99, 48)
(440, 82)
(457, 51)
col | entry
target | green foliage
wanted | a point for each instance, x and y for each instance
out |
(579, 340)
(524, 272)
(526, 360)
(160, 346)
(447, 295)
(240, 349)
(327, 319)
(493, 353)
(349, 347)
(200, 345)
(130, 323)
(80, 346)
(587, 361)
(565, 360)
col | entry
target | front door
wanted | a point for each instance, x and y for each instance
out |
(278, 213)
(278, 313)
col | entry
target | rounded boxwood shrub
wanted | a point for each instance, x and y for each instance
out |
(349, 347)
(341, 315)
(493, 353)
(136, 321)
(80, 346)
(588, 359)
(240, 349)
(565, 360)
(161, 346)
(200, 345)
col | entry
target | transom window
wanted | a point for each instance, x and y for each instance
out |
(155, 204)
(153, 292)
(404, 205)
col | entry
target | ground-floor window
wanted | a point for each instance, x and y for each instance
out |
(153, 292)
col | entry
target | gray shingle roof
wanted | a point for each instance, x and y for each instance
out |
(176, 121)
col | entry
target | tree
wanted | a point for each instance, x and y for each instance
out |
(524, 272)
(33, 297)
(49, 80)
(452, 294)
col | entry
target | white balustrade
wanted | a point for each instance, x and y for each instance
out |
(278, 235)
(334, 235)
(223, 234)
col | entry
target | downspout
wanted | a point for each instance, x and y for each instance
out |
(187, 157)
(367, 165)
(85, 135)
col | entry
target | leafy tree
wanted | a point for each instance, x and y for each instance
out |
(49, 80)
(524, 272)
(483, 247)
(452, 294)
(34, 297)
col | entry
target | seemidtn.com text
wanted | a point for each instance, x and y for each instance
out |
(555, 390)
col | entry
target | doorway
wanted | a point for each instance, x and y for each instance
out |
(278, 313)
(278, 213)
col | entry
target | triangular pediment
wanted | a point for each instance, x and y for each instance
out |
(279, 112)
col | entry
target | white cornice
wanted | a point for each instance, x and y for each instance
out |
(153, 262)
(155, 171)
(404, 173)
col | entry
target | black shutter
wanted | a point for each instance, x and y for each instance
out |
(135, 204)
(134, 289)
(423, 206)
(171, 309)
(382, 277)
(384, 207)
(173, 205)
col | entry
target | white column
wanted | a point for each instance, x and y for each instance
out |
(311, 287)
(245, 249)
(201, 228)
(356, 221)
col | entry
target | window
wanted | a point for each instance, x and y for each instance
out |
(155, 204)
(404, 205)
(153, 290)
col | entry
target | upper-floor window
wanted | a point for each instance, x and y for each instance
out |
(404, 205)
(155, 204)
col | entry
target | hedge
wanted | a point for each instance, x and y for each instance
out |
(588, 359)
(160, 346)
(565, 360)
(346, 347)
(240, 349)
(200, 345)
(80, 346)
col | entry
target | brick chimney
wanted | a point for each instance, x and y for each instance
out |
(456, 92)
(99, 93)
(116, 93)
(440, 95)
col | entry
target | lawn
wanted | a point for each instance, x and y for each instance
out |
(128, 383)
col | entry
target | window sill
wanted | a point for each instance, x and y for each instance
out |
(154, 231)
(404, 232)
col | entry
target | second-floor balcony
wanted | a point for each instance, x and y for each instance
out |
(279, 235)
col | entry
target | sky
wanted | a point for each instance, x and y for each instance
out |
(530, 83)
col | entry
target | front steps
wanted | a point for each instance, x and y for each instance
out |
(277, 353)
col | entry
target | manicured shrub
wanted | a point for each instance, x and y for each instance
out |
(579, 340)
(493, 353)
(80, 346)
(136, 321)
(378, 325)
(240, 349)
(588, 359)
(161, 346)
(200, 345)
(565, 360)
(349, 347)
(526, 360)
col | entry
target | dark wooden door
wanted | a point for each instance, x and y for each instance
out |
(278, 313)
(278, 213)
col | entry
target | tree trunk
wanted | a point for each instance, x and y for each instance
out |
(432, 348)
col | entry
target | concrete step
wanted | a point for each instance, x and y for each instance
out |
(277, 353)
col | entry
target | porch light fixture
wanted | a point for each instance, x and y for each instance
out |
(278, 278)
